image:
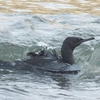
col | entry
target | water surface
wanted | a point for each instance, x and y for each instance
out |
(24, 28)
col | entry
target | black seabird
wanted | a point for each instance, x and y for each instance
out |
(66, 59)
(41, 58)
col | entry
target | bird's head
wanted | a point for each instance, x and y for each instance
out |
(75, 41)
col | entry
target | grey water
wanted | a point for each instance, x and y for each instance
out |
(22, 33)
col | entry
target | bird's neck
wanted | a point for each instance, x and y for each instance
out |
(67, 54)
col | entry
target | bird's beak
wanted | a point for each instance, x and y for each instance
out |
(84, 40)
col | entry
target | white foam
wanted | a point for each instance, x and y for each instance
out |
(41, 44)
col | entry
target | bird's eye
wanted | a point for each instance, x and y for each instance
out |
(74, 40)
(79, 39)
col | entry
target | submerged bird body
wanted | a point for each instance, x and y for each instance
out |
(56, 65)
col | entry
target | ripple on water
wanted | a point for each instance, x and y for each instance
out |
(21, 33)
